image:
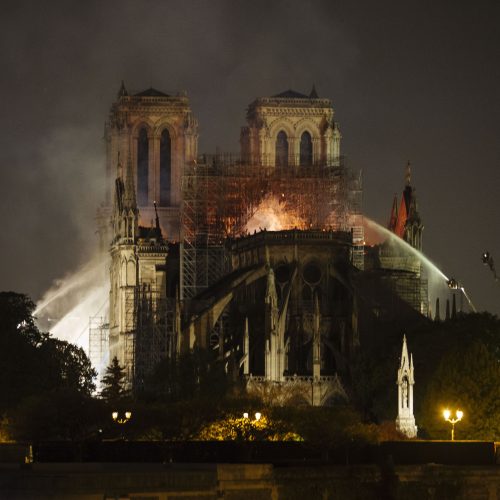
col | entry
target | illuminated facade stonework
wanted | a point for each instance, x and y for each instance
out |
(137, 279)
(200, 269)
(405, 421)
(291, 129)
(159, 134)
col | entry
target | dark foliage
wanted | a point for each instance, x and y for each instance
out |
(113, 382)
(35, 366)
(437, 347)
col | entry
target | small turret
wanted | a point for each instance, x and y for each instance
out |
(393, 221)
(408, 174)
(126, 214)
(123, 91)
(129, 198)
(405, 421)
(271, 296)
(406, 221)
(158, 233)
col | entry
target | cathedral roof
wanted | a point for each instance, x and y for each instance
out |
(151, 92)
(292, 94)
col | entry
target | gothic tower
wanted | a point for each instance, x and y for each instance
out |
(123, 269)
(405, 421)
(137, 336)
(406, 221)
(291, 129)
(159, 134)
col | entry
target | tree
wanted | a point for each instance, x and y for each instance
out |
(32, 362)
(194, 375)
(374, 370)
(16, 318)
(114, 382)
(468, 379)
(233, 428)
(19, 356)
(66, 365)
(60, 414)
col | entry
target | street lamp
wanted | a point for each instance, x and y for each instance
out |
(453, 421)
(258, 415)
(121, 420)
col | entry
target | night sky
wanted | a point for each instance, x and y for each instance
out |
(414, 81)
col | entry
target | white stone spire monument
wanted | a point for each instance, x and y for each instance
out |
(405, 421)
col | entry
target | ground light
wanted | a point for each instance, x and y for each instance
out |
(459, 415)
(258, 415)
(121, 420)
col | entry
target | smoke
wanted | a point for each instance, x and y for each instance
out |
(274, 214)
(65, 309)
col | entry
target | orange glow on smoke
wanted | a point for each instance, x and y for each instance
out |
(274, 214)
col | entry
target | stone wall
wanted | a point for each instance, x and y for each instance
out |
(247, 482)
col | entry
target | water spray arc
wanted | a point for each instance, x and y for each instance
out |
(450, 283)
(453, 284)
(66, 309)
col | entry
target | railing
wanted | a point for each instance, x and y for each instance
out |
(266, 160)
(295, 235)
(296, 378)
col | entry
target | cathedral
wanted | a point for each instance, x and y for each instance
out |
(258, 256)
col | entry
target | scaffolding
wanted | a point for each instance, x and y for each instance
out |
(221, 194)
(409, 287)
(148, 337)
(98, 342)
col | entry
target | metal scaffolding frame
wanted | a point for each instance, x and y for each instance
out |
(149, 339)
(221, 193)
(409, 287)
(98, 340)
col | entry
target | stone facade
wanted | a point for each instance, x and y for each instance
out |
(159, 134)
(405, 421)
(137, 274)
(303, 125)
(92, 481)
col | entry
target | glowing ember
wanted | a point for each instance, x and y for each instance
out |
(273, 214)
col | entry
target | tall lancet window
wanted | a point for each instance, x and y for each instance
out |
(142, 167)
(306, 149)
(281, 150)
(165, 168)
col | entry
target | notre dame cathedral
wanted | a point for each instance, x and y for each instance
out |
(258, 256)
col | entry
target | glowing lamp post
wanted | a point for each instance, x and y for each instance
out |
(121, 420)
(258, 415)
(453, 421)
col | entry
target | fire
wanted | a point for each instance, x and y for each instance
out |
(274, 214)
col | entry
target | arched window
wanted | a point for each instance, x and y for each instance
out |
(131, 273)
(281, 150)
(306, 149)
(142, 167)
(165, 168)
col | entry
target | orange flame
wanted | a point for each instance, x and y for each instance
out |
(274, 214)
